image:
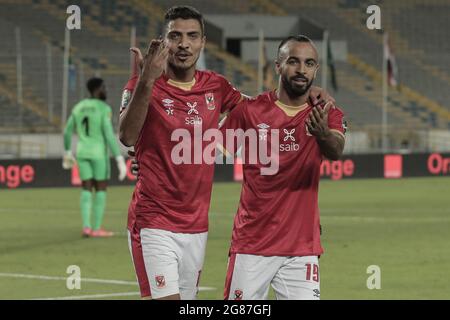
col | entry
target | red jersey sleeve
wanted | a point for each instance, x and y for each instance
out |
(336, 120)
(230, 95)
(128, 92)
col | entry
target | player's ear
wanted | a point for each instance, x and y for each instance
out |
(317, 69)
(203, 42)
(277, 66)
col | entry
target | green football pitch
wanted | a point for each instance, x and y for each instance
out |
(401, 226)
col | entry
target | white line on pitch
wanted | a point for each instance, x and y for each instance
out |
(92, 296)
(107, 281)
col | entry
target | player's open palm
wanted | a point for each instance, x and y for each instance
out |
(317, 121)
(152, 65)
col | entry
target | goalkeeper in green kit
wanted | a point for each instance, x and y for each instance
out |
(91, 119)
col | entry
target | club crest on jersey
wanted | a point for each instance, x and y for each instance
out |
(289, 143)
(194, 118)
(238, 294)
(209, 98)
(160, 281)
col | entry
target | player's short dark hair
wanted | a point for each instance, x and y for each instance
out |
(298, 38)
(94, 83)
(184, 12)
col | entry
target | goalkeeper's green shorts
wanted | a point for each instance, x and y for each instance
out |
(97, 169)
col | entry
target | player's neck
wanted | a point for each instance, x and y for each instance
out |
(180, 75)
(291, 101)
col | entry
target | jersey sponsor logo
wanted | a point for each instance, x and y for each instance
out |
(160, 281)
(262, 131)
(192, 107)
(209, 98)
(289, 141)
(238, 294)
(194, 118)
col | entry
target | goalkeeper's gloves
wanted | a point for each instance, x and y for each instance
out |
(122, 167)
(68, 160)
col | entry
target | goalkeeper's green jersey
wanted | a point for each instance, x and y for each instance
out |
(91, 119)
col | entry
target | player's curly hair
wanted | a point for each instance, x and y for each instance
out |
(184, 12)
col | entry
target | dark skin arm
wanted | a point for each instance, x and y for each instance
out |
(331, 142)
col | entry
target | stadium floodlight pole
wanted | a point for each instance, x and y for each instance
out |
(384, 101)
(81, 77)
(325, 59)
(260, 87)
(49, 82)
(19, 87)
(65, 86)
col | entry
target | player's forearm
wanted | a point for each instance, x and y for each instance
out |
(331, 145)
(133, 118)
(68, 130)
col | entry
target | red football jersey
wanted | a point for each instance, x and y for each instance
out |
(278, 214)
(170, 196)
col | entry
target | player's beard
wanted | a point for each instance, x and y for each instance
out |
(294, 90)
(177, 68)
(102, 96)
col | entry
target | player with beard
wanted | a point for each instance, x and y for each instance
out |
(276, 232)
(168, 213)
(91, 118)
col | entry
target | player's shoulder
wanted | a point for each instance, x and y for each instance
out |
(336, 110)
(209, 75)
(80, 104)
(104, 106)
(261, 99)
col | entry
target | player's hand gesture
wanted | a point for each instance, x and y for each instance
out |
(319, 96)
(152, 65)
(317, 121)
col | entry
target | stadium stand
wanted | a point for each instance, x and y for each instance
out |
(420, 101)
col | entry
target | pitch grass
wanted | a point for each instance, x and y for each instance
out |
(402, 226)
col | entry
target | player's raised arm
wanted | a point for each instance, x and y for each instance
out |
(151, 68)
(331, 141)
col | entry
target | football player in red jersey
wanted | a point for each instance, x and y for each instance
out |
(276, 232)
(168, 214)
